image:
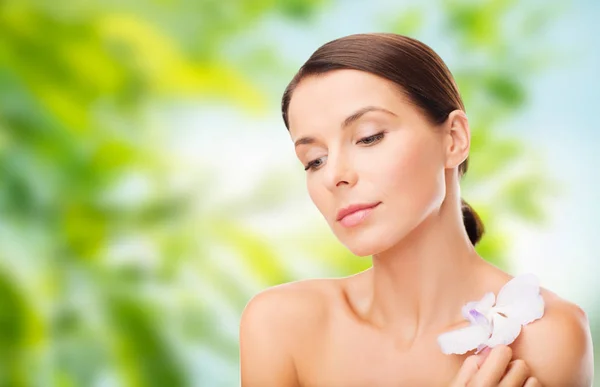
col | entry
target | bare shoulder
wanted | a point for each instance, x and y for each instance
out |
(274, 323)
(291, 304)
(558, 347)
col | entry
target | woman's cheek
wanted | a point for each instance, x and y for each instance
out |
(316, 192)
(311, 186)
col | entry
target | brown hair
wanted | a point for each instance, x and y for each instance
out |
(413, 66)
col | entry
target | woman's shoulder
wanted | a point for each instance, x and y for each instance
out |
(276, 323)
(298, 304)
(303, 292)
(558, 346)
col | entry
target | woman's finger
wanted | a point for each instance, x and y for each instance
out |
(517, 373)
(469, 368)
(493, 367)
(532, 382)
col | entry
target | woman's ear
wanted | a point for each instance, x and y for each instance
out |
(457, 138)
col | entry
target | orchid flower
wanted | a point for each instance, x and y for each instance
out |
(519, 302)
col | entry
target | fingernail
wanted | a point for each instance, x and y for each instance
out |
(485, 352)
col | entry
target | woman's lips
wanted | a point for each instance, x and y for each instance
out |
(356, 217)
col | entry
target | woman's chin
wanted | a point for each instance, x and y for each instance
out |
(371, 241)
(365, 249)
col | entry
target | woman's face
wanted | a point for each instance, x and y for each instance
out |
(390, 157)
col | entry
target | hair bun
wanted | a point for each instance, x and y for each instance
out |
(473, 223)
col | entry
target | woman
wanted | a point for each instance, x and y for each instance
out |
(379, 125)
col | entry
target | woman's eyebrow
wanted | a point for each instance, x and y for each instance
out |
(347, 122)
(360, 112)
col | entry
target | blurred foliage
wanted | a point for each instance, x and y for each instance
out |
(107, 271)
(85, 191)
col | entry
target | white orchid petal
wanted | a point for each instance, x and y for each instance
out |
(518, 303)
(483, 306)
(463, 340)
(524, 311)
(478, 318)
(486, 302)
(522, 286)
(505, 331)
(467, 308)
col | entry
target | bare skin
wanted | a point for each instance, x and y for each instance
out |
(315, 331)
(379, 327)
(494, 367)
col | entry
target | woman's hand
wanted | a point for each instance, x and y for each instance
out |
(493, 368)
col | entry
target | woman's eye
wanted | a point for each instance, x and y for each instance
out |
(371, 139)
(314, 164)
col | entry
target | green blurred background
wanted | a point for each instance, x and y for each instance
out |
(148, 187)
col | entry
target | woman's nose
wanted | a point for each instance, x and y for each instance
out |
(339, 171)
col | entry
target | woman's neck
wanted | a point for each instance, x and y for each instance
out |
(420, 284)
